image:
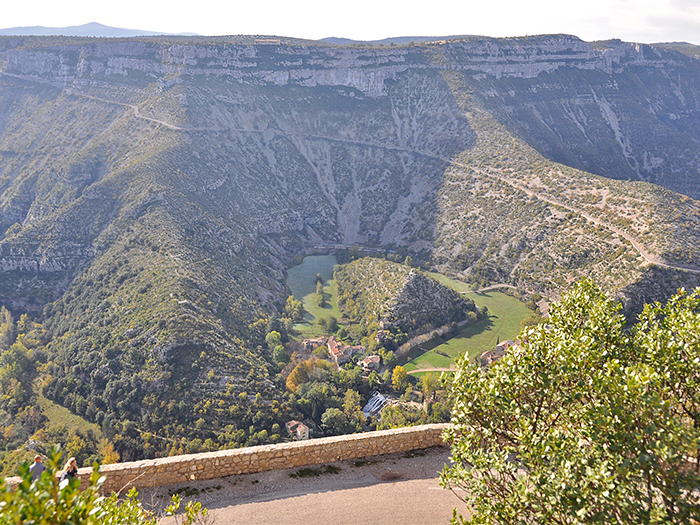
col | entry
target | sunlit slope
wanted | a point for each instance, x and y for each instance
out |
(153, 193)
(507, 214)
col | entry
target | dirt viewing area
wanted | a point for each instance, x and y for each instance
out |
(396, 489)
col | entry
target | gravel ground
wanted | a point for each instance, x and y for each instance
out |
(399, 489)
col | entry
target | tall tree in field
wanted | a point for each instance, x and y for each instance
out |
(399, 379)
(430, 385)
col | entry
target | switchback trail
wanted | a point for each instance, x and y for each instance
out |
(492, 287)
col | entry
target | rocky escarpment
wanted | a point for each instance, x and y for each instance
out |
(397, 296)
(624, 111)
(364, 69)
(620, 110)
(531, 57)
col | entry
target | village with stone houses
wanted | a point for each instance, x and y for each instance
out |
(341, 353)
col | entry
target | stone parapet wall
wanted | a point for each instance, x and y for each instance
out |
(211, 465)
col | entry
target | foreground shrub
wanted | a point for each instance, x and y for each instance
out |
(587, 422)
(46, 501)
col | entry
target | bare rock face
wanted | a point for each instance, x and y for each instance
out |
(325, 142)
(620, 110)
(362, 69)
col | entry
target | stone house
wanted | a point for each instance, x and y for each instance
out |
(370, 363)
(382, 336)
(298, 430)
(312, 344)
(340, 352)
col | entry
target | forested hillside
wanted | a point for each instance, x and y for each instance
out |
(153, 192)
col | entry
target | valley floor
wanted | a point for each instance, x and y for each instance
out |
(400, 489)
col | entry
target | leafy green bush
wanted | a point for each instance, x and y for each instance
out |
(46, 501)
(586, 422)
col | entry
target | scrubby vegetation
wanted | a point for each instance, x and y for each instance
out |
(587, 422)
(372, 290)
(46, 501)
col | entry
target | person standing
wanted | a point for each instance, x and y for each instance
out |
(70, 470)
(36, 468)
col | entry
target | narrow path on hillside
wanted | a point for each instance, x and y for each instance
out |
(451, 368)
(492, 287)
(134, 107)
(528, 191)
(636, 244)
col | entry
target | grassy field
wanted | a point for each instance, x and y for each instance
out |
(459, 286)
(58, 415)
(505, 314)
(301, 280)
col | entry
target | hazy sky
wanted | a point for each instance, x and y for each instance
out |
(631, 20)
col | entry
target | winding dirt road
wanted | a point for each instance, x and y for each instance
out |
(528, 191)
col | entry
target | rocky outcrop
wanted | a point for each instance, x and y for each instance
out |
(566, 97)
(364, 69)
(531, 57)
(395, 295)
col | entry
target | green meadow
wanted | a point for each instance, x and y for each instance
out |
(503, 322)
(61, 416)
(301, 280)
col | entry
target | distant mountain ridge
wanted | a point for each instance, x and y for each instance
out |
(93, 29)
(399, 40)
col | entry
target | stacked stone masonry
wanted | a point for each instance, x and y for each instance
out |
(211, 465)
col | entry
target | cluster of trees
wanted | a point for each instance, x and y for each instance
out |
(183, 405)
(431, 390)
(133, 421)
(320, 295)
(23, 359)
(293, 310)
(22, 351)
(333, 398)
(589, 422)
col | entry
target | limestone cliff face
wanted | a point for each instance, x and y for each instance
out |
(621, 110)
(615, 109)
(531, 57)
(287, 145)
(303, 66)
(363, 69)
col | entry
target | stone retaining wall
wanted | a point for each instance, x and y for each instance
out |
(211, 465)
